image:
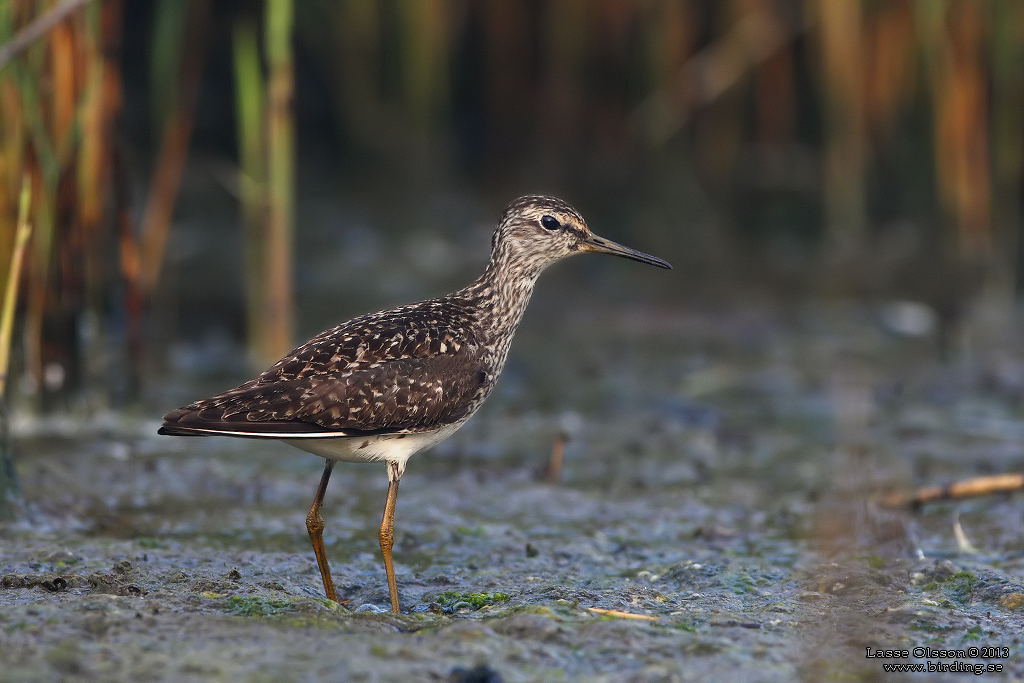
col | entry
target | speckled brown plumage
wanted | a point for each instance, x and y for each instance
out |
(404, 370)
(386, 385)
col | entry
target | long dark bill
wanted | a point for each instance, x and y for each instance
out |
(603, 246)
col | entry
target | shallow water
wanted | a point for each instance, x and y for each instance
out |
(718, 476)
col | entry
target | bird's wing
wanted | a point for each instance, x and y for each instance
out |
(382, 374)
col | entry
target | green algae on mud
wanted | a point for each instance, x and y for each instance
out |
(258, 606)
(453, 601)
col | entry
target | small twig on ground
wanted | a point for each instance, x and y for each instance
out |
(39, 27)
(965, 488)
(621, 615)
(962, 542)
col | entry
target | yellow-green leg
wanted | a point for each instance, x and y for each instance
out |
(315, 527)
(387, 532)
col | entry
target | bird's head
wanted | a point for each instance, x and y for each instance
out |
(536, 230)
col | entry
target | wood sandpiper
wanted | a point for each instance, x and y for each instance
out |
(384, 386)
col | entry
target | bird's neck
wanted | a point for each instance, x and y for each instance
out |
(502, 292)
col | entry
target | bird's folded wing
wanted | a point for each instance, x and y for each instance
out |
(410, 394)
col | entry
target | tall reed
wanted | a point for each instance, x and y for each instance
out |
(8, 476)
(279, 249)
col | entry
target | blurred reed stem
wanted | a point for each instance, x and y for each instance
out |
(1007, 142)
(8, 477)
(44, 77)
(424, 28)
(24, 229)
(170, 21)
(39, 27)
(38, 281)
(177, 132)
(844, 155)
(250, 103)
(279, 313)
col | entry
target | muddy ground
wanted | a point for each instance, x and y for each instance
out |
(718, 487)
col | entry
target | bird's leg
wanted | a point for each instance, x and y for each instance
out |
(315, 527)
(387, 533)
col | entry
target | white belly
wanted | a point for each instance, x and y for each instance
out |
(396, 448)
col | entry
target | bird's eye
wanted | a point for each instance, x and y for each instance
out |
(550, 223)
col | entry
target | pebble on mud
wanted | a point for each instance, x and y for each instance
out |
(61, 556)
(13, 581)
(55, 585)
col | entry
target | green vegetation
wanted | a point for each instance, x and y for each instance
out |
(973, 633)
(961, 586)
(453, 601)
